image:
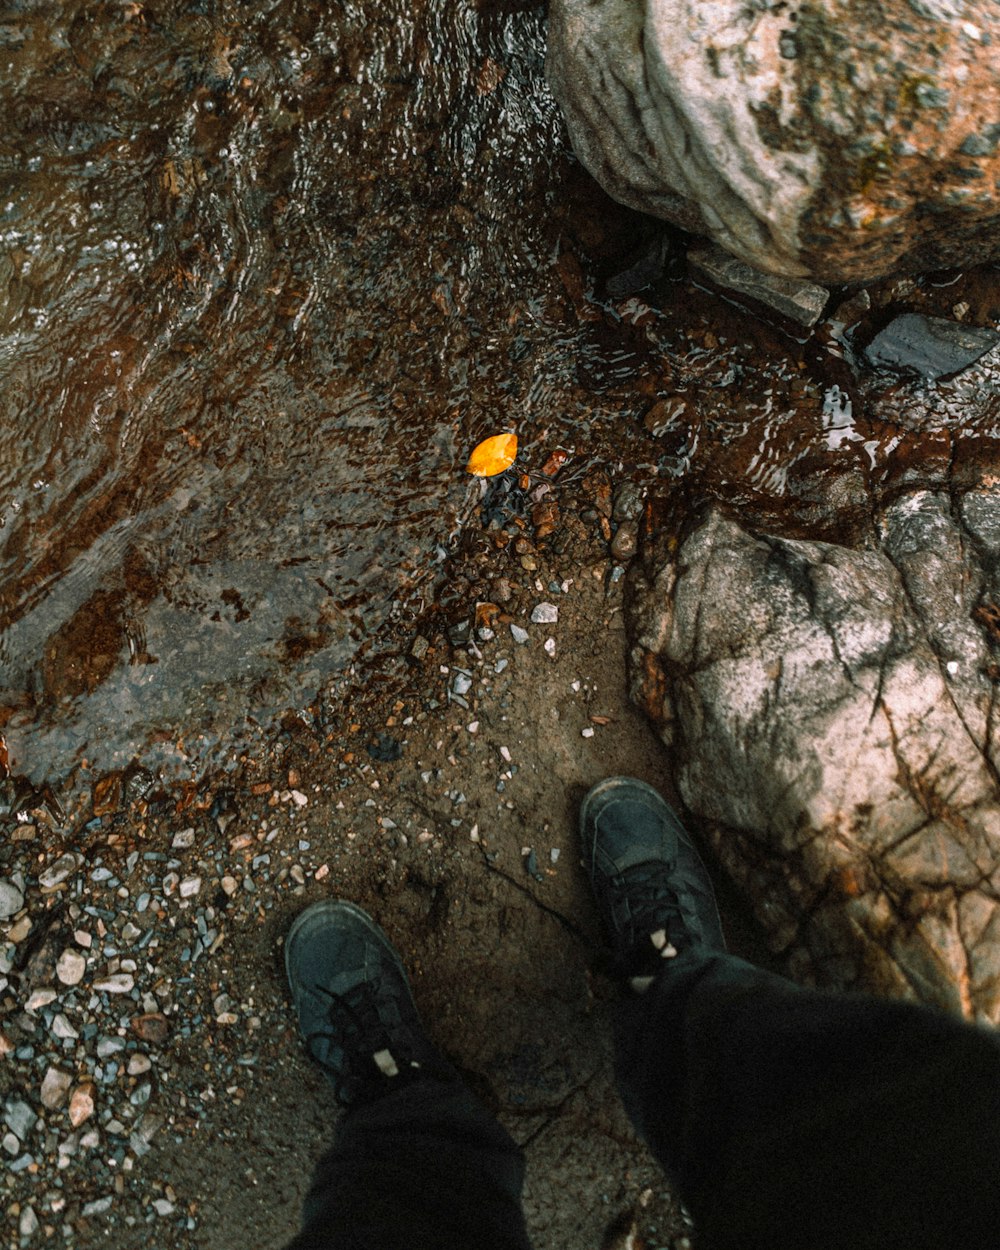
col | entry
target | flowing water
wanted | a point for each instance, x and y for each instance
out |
(267, 272)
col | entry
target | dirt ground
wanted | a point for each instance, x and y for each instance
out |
(464, 848)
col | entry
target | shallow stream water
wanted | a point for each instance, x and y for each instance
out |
(267, 272)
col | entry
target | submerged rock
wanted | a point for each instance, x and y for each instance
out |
(811, 141)
(832, 714)
(930, 346)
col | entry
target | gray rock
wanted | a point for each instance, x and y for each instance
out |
(832, 714)
(27, 1225)
(930, 346)
(59, 871)
(544, 614)
(11, 899)
(795, 298)
(809, 140)
(18, 1117)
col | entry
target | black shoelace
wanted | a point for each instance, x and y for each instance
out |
(357, 1027)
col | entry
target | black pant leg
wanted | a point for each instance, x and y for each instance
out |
(794, 1118)
(424, 1166)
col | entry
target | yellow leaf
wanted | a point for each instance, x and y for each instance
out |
(493, 455)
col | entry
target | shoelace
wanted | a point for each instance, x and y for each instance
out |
(655, 920)
(358, 1029)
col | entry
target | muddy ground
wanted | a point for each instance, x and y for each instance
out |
(464, 848)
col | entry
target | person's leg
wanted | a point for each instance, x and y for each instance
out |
(786, 1116)
(416, 1160)
(794, 1117)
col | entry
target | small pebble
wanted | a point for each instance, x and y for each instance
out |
(544, 614)
(19, 1117)
(189, 887)
(55, 1087)
(70, 967)
(97, 1207)
(183, 840)
(519, 635)
(11, 899)
(116, 983)
(62, 1028)
(58, 871)
(40, 998)
(138, 1064)
(81, 1104)
(587, 733)
(152, 1027)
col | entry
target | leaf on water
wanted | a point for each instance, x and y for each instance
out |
(493, 455)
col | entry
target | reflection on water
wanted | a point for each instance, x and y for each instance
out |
(267, 272)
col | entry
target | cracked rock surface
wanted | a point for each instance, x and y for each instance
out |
(833, 715)
(809, 140)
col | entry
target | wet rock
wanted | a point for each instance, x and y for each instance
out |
(810, 142)
(930, 346)
(832, 717)
(795, 298)
(643, 268)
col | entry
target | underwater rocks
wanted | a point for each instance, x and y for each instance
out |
(808, 140)
(833, 718)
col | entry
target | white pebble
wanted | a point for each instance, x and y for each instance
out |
(70, 967)
(587, 733)
(116, 983)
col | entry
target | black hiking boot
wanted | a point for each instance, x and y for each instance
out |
(353, 999)
(654, 895)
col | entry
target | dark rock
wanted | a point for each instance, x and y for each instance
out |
(643, 268)
(385, 749)
(930, 346)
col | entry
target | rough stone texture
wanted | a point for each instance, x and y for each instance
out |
(834, 718)
(794, 298)
(839, 140)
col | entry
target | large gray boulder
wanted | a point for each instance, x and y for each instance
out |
(837, 140)
(833, 715)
